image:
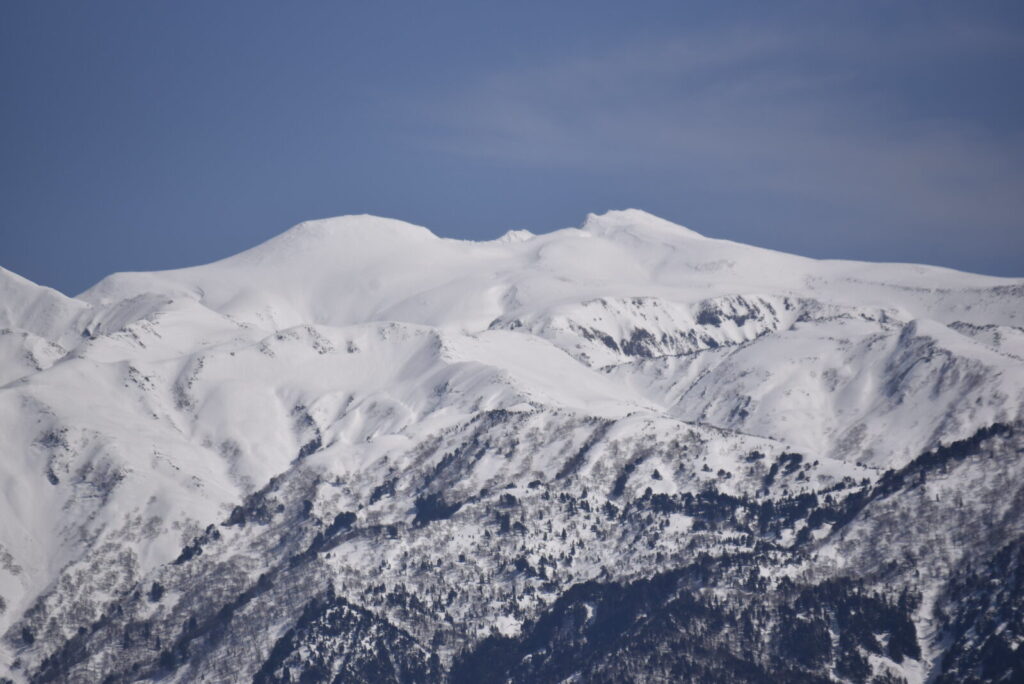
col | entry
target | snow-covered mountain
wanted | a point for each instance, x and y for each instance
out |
(618, 452)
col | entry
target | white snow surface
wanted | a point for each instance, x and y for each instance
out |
(150, 405)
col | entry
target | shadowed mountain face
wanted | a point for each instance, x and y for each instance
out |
(359, 452)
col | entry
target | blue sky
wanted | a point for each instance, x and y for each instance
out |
(148, 135)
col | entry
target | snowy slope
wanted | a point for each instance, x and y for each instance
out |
(629, 288)
(441, 392)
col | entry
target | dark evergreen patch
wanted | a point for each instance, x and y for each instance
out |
(336, 641)
(433, 507)
(195, 548)
(668, 629)
(984, 611)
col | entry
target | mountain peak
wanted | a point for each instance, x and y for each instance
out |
(362, 230)
(635, 222)
(516, 236)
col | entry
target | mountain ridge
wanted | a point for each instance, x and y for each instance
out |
(432, 441)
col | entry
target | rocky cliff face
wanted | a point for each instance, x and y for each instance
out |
(359, 452)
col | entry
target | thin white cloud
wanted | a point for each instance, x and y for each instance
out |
(773, 109)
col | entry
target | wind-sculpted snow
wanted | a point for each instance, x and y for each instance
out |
(361, 451)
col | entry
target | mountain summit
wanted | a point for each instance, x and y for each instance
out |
(363, 452)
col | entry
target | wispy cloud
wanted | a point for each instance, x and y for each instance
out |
(843, 116)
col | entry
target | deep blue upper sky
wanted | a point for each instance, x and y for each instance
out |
(147, 135)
